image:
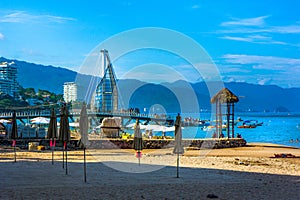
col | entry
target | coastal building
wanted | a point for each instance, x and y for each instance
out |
(106, 97)
(8, 79)
(70, 91)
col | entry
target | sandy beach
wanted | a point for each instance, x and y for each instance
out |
(250, 172)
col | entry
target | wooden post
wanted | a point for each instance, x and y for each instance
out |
(66, 158)
(228, 119)
(84, 164)
(232, 120)
(177, 176)
(15, 154)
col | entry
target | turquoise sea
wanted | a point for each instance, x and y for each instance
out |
(277, 128)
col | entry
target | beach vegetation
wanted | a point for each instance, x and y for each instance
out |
(9, 101)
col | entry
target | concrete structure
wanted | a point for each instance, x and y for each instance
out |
(70, 91)
(8, 79)
(106, 98)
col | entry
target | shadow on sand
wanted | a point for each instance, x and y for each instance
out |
(42, 180)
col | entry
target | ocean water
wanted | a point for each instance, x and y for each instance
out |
(277, 128)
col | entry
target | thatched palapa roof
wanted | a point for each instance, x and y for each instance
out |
(225, 96)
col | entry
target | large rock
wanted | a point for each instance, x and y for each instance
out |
(110, 126)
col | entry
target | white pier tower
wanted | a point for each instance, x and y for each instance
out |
(106, 98)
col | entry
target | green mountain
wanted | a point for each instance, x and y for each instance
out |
(171, 97)
(37, 76)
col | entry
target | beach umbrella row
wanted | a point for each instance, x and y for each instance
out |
(64, 135)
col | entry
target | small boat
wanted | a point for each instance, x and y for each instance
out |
(210, 128)
(247, 126)
(250, 124)
(260, 124)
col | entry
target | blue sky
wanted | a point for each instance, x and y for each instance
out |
(249, 41)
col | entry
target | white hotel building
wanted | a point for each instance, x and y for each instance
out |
(8, 79)
(70, 91)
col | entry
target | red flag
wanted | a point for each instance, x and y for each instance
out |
(51, 145)
(138, 154)
(14, 143)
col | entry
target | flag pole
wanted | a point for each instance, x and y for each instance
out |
(177, 166)
(63, 156)
(84, 164)
(15, 153)
(66, 158)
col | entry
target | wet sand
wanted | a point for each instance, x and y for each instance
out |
(249, 172)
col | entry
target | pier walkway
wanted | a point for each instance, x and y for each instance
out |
(28, 114)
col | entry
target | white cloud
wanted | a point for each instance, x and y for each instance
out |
(257, 25)
(260, 60)
(195, 6)
(263, 70)
(260, 39)
(290, 29)
(264, 81)
(256, 21)
(244, 39)
(1, 36)
(24, 17)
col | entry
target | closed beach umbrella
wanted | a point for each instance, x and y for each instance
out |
(64, 133)
(84, 126)
(138, 140)
(52, 129)
(14, 127)
(178, 148)
(14, 133)
(52, 132)
(64, 130)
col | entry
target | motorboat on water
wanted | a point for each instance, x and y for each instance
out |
(250, 124)
(212, 128)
